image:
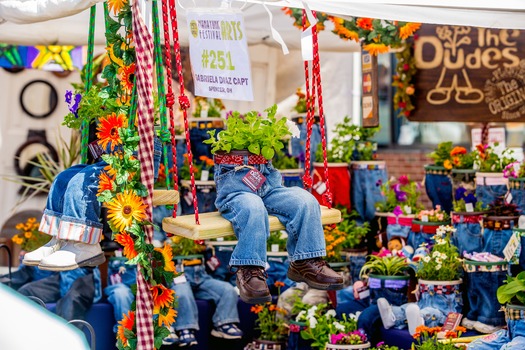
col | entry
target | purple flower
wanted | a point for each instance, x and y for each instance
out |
(334, 338)
(68, 96)
(401, 196)
(379, 182)
(73, 105)
(397, 211)
(471, 198)
(381, 343)
(460, 193)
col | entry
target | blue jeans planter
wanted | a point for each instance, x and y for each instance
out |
(223, 251)
(497, 232)
(468, 237)
(292, 177)
(356, 258)
(399, 226)
(445, 296)
(367, 177)
(439, 186)
(206, 195)
(490, 186)
(517, 190)
(423, 232)
(295, 341)
(463, 178)
(392, 288)
(482, 282)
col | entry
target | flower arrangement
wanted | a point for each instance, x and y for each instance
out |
(355, 233)
(271, 326)
(442, 154)
(211, 106)
(334, 239)
(462, 197)
(29, 238)
(442, 263)
(433, 215)
(322, 324)
(489, 161)
(403, 81)
(385, 264)
(460, 159)
(297, 15)
(401, 194)
(258, 135)
(427, 338)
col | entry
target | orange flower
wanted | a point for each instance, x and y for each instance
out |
(108, 130)
(456, 161)
(168, 318)
(116, 5)
(365, 23)
(127, 322)
(458, 150)
(451, 334)
(256, 309)
(376, 48)
(460, 329)
(279, 284)
(167, 254)
(105, 182)
(447, 164)
(342, 31)
(128, 243)
(162, 297)
(272, 307)
(408, 29)
(125, 208)
(126, 75)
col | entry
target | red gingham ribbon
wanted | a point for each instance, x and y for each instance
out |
(143, 79)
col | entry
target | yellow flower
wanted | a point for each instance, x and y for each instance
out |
(124, 208)
(168, 318)
(376, 48)
(447, 164)
(116, 5)
(28, 234)
(408, 29)
(167, 254)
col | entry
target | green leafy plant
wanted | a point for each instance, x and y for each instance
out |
(443, 262)
(442, 153)
(251, 132)
(282, 160)
(184, 246)
(391, 265)
(355, 233)
(500, 207)
(489, 161)
(402, 193)
(92, 106)
(269, 320)
(512, 291)
(276, 237)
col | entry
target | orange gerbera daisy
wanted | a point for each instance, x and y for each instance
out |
(408, 29)
(168, 318)
(124, 208)
(458, 150)
(127, 322)
(256, 309)
(376, 48)
(447, 164)
(162, 297)
(126, 75)
(128, 243)
(116, 5)
(365, 23)
(167, 254)
(105, 182)
(108, 130)
(278, 284)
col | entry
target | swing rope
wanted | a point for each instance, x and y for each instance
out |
(89, 80)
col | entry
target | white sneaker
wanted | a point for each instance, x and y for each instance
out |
(414, 318)
(33, 258)
(468, 324)
(387, 315)
(485, 328)
(73, 255)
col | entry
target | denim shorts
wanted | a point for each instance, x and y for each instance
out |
(393, 290)
(357, 260)
(468, 236)
(439, 189)
(446, 299)
(397, 230)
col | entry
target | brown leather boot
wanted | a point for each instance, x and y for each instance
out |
(251, 281)
(316, 273)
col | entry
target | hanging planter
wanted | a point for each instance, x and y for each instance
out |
(438, 186)
(347, 346)
(339, 176)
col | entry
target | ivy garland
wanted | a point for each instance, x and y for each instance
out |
(403, 80)
(120, 188)
(377, 35)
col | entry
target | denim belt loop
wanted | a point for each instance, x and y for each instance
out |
(245, 160)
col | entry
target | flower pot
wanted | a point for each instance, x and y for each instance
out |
(259, 344)
(366, 176)
(468, 237)
(292, 177)
(423, 231)
(356, 257)
(439, 186)
(490, 186)
(442, 295)
(295, 341)
(206, 195)
(392, 288)
(497, 232)
(339, 178)
(347, 346)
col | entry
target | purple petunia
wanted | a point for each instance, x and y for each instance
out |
(471, 198)
(397, 211)
(379, 182)
(73, 105)
(460, 193)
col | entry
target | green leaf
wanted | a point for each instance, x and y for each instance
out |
(268, 152)
(254, 148)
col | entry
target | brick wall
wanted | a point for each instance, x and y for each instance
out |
(406, 161)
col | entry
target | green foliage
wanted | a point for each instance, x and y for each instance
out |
(186, 246)
(92, 107)
(385, 266)
(282, 160)
(355, 233)
(512, 291)
(489, 161)
(276, 237)
(441, 153)
(261, 136)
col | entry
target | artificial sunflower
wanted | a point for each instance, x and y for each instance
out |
(168, 318)
(343, 32)
(116, 5)
(112, 57)
(105, 183)
(162, 297)
(127, 322)
(108, 130)
(167, 254)
(128, 243)
(376, 48)
(408, 29)
(124, 208)
(127, 77)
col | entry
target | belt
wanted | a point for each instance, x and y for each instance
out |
(397, 220)
(238, 158)
(422, 228)
(368, 165)
(499, 224)
(439, 289)
(478, 266)
(467, 219)
(514, 313)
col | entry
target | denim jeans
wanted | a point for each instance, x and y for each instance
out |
(517, 190)
(396, 228)
(72, 210)
(222, 273)
(417, 234)
(439, 190)
(293, 178)
(248, 211)
(200, 285)
(496, 240)
(447, 299)
(511, 338)
(206, 195)
(468, 237)
(494, 341)
(433, 317)
(393, 290)
(366, 191)
(357, 260)
(486, 193)
(26, 274)
(481, 290)
(121, 277)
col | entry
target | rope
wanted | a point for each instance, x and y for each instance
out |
(89, 80)
(169, 96)
(184, 103)
(307, 177)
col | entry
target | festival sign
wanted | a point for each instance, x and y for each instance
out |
(219, 54)
(468, 74)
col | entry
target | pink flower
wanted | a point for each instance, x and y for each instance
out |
(438, 207)
(334, 338)
(397, 211)
(403, 180)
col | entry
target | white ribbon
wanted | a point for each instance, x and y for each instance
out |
(275, 34)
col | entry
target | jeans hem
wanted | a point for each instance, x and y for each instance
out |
(79, 231)
(244, 262)
(227, 321)
(193, 326)
(50, 223)
(496, 322)
(311, 255)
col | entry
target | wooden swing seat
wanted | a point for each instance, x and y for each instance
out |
(165, 197)
(213, 225)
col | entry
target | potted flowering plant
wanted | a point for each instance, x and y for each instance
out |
(383, 346)
(29, 237)
(425, 225)
(462, 167)
(427, 338)
(348, 340)
(400, 193)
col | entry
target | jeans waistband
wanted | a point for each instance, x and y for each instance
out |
(485, 267)
(514, 314)
(515, 184)
(467, 219)
(376, 283)
(368, 165)
(490, 180)
(239, 158)
(439, 289)
(434, 171)
(400, 221)
(422, 228)
(499, 224)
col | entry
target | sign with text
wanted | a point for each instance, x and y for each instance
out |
(495, 135)
(369, 99)
(219, 54)
(469, 74)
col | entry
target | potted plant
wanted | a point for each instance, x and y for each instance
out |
(425, 225)
(462, 172)
(427, 338)
(204, 185)
(272, 326)
(365, 149)
(354, 244)
(511, 294)
(498, 225)
(437, 181)
(515, 172)
(29, 237)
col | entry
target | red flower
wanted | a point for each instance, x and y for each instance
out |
(403, 180)
(406, 67)
(402, 104)
(365, 23)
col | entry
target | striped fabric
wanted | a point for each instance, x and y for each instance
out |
(143, 80)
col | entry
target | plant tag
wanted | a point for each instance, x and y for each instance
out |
(320, 187)
(511, 247)
(115, 278)
(508, 198)
(254, 179)
(451, 322)
(213, 263)
(220, 239)
(407, 210)
(274, 248)
(363, 293)
(180, 279)
(188, 198)
(205, 174)
(469, 207)
(424, 218)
